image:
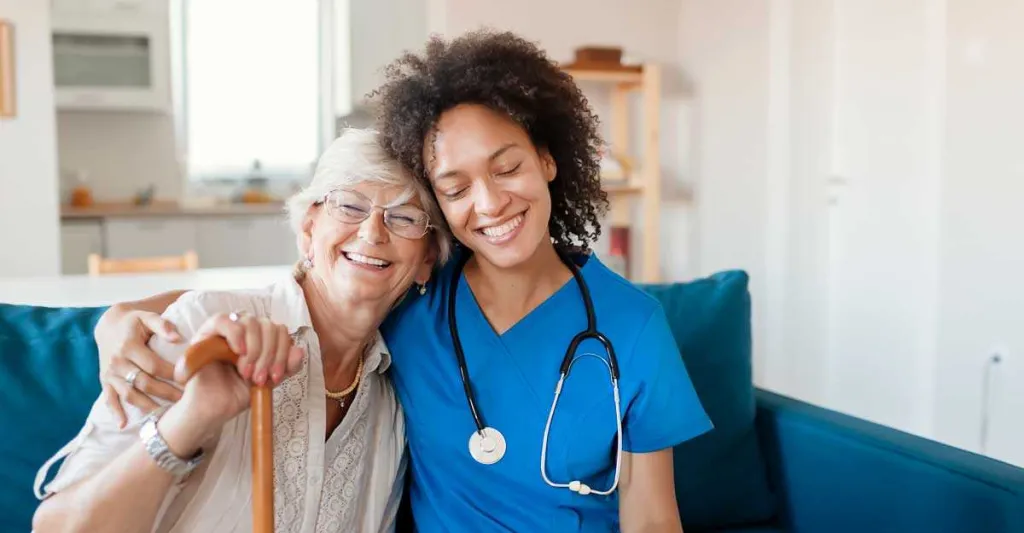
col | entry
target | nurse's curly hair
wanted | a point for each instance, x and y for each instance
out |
(513, 76)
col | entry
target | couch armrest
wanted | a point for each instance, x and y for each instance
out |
(836, 473)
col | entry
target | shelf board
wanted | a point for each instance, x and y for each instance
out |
(622, 188)
(613, 76)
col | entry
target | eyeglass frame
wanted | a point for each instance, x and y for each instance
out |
(323, 200)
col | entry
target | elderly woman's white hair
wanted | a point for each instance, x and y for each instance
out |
(356, 156)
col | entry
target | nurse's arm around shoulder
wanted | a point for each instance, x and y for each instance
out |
(662, 411)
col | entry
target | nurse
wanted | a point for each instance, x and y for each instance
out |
(509, 146)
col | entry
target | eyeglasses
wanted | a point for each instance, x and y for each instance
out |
(352, 207)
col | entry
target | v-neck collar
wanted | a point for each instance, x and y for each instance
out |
(506, 349)
(480, 317)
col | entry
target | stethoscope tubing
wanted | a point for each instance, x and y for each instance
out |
(576, 486)
(567, 361)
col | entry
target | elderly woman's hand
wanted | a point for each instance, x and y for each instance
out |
(218, 393)
(265, 349)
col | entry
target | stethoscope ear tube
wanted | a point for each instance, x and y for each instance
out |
(457, 344)
(591, 332)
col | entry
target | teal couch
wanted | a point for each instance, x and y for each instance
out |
(772, 464)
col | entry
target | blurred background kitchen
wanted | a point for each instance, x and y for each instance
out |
(182, 125)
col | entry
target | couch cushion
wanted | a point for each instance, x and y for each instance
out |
(721, 476)
(48, 383)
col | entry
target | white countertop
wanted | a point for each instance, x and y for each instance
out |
(86, 291)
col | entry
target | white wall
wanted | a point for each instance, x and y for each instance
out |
(981, 288)
(29, 232)
(381, 30)
(120, 152)
(645, 29)
(799, 156)
(724, 49)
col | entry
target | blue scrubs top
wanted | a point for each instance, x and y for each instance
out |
(513, 377)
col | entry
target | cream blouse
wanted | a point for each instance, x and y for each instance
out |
(351, 481)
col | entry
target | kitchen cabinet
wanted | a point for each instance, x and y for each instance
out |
(220, 240)
(233, 241)
(149, 236)
(111, 55)
(107, 7)
(79, 238)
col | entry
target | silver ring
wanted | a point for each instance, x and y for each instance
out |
(130, 378)
(233, 316)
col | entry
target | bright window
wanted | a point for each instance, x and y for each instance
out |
(249, 87)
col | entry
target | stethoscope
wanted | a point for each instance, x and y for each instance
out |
(487, 444)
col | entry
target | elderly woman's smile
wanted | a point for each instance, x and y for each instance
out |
(365, 261)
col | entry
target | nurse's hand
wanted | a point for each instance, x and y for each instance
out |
(122, 337)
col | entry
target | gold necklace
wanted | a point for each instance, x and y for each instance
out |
(340, 396)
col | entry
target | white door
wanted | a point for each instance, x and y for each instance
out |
(883, 210)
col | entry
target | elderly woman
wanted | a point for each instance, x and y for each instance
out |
(363, 228)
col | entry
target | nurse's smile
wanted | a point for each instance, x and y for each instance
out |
(503, 232)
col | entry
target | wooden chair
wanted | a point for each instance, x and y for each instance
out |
(99, 265)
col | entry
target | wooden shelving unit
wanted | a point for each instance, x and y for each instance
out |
(644, 180)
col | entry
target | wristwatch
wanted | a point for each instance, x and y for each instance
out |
(157, 448)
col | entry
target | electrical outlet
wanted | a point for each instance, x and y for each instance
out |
(998, 354)
(995, 357)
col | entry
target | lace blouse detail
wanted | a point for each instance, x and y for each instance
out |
(291, 451)
(344, 473)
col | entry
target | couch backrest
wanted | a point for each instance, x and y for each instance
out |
(48, 382)
(721, 477)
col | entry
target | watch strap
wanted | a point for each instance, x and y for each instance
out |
(158, 450)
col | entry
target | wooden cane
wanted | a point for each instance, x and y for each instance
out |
(216, 349)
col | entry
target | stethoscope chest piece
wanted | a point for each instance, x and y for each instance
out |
(487, 448)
